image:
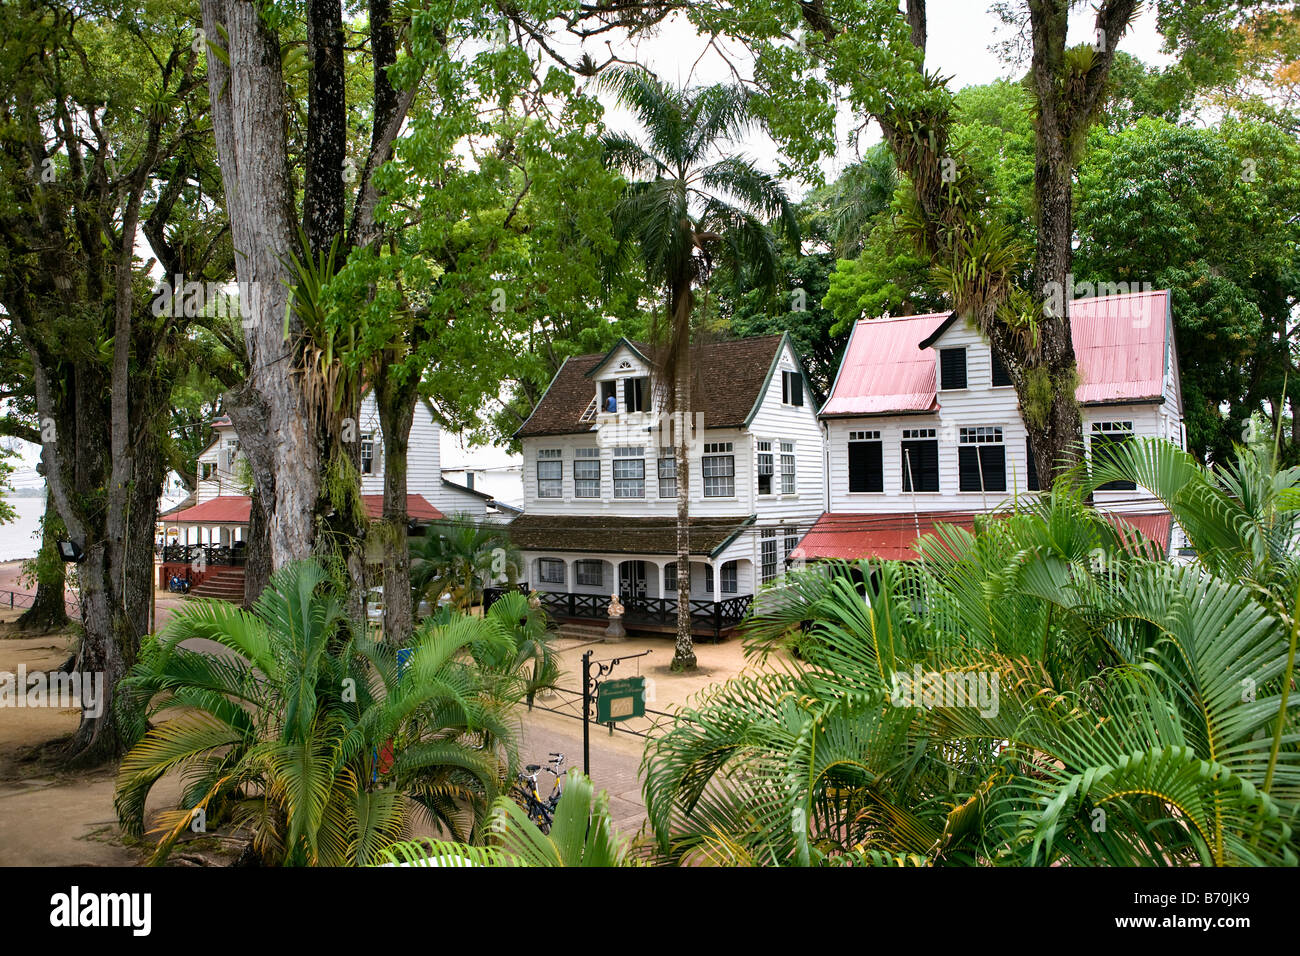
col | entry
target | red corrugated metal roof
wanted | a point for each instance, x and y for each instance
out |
(1119, 341)
(890, 537)
(883, 370)
(234, 509)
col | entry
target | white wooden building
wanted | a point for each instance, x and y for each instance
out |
(219, 511)
(600, 496)
(922, 424)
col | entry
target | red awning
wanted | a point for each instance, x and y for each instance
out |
(890, 537)
(224, 509)
(234, 509)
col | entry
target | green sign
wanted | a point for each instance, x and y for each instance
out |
(620, 699)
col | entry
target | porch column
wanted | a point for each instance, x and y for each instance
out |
(717, 580)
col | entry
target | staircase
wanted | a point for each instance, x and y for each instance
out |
(226, 584)
(581, 632)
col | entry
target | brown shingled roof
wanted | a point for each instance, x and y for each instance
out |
(620, 534)
(729, 376)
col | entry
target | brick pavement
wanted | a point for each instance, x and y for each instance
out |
(614, 761)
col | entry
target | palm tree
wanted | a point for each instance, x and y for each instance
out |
(309, 733)
(456, 556)
(1140, 712)
(688, 208)
(527, 656)
(582, 834)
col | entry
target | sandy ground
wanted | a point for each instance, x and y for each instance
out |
(53, 817)
(50, 816)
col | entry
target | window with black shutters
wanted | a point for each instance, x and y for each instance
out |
(1106, 437)
(634, 394)
(1033, 466)
(981, 460)
(791, 388)
(1000, 375)
(866, 462)
(952, 368)
(920, 453)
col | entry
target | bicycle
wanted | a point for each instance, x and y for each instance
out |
(526, 794)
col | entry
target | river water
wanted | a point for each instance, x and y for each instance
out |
(21, 538)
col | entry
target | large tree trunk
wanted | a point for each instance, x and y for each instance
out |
(396, 413)
(49, 610)
(257, 556)
(276, 424)
(684, 651)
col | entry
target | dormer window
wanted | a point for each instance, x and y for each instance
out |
(952, 368)
(635, 393)
(608, 397)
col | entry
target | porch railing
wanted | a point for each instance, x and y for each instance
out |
(708, 616)
(214, 555)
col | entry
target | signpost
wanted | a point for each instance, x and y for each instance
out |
(614, 700)
(620, 699)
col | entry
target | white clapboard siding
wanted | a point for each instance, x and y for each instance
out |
(979, 404)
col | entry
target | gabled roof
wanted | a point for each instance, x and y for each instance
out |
(885, 369)
(1120, 343)
(639, 349)
(730, 378)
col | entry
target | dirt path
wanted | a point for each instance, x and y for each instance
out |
(50, 816)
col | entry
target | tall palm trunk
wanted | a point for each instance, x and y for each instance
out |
(684, 652)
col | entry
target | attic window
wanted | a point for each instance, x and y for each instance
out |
(791, 388)
(608, 390)
(952, 368)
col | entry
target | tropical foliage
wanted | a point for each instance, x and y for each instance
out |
(1121, 710)
(323, 743)
(457, 556)
(582, 834)
(687, 209)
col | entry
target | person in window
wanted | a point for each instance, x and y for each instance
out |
(611, 404)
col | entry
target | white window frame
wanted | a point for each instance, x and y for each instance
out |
(367, 465)
(763, 450)
(668, 482)
(583, 571)
(543, 564)
(767, 546)
(714, 454)
(788, 465)
(586, 457)
(730, 578)
(629, 485)
(549, 457)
